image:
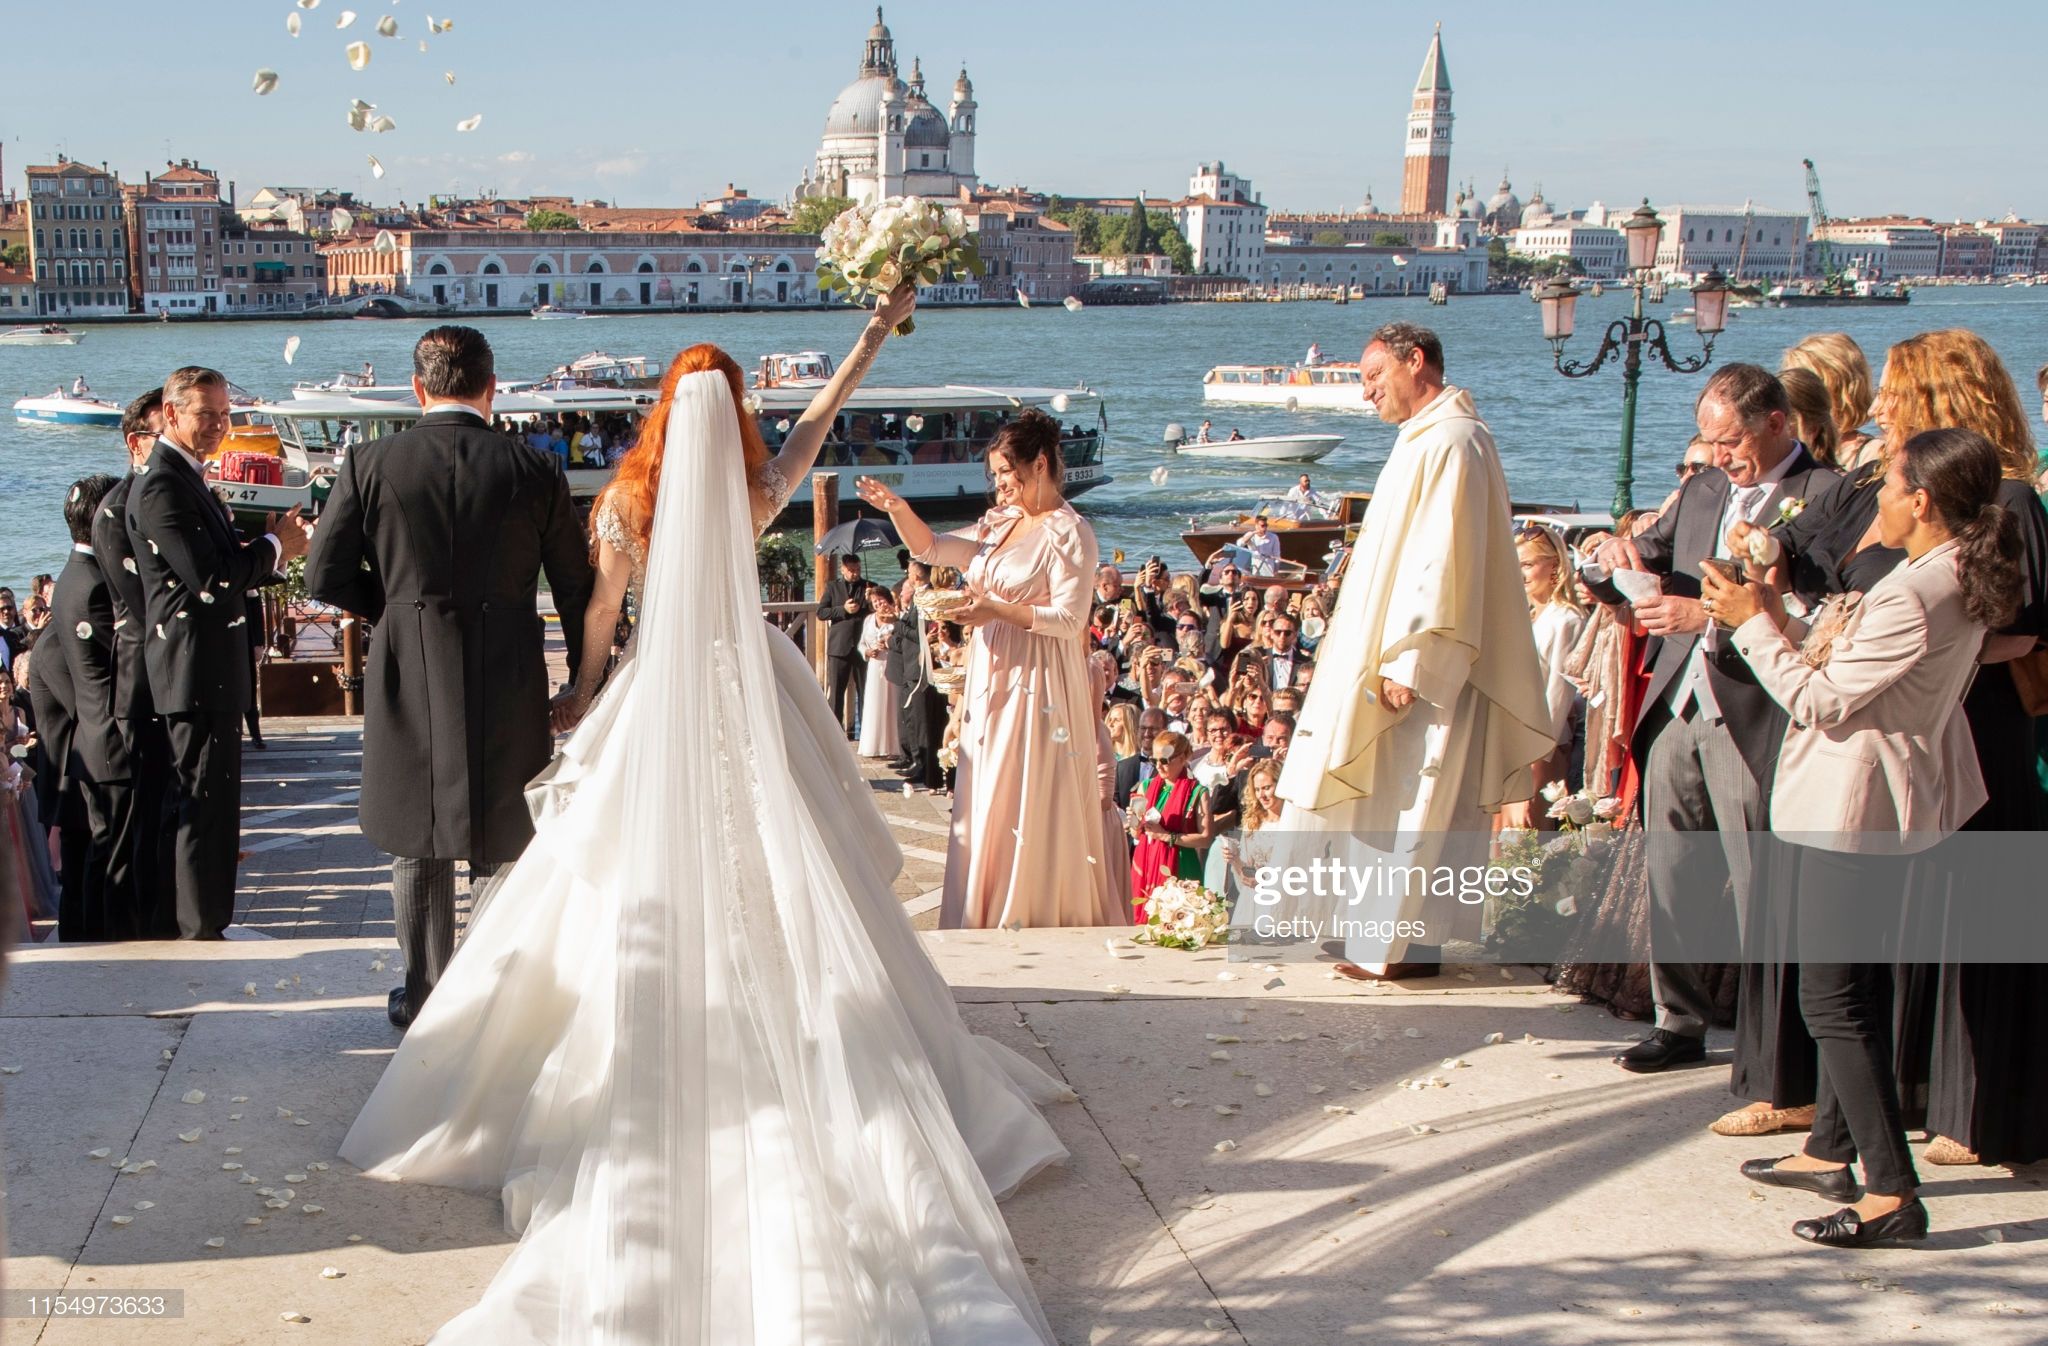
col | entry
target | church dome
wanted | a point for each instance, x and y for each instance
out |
(1504, 201)
(1536, 212)
(857, 111)
(927, 129)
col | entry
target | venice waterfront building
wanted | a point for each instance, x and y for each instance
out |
(884, 137)
(78, 243)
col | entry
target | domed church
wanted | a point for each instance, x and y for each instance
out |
(884, 137)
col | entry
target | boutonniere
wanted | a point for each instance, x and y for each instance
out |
(1790, 508)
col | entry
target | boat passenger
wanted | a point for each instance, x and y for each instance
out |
(1306, 501)
(1315, 353)
(80, 388)
(1236, 435)
(1263, 546)
(1202, 435)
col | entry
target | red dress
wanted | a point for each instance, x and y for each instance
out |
(1154, 860)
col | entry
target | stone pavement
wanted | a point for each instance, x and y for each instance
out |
(1537, 1196)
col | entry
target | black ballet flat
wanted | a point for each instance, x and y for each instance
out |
(1846, 1229)
(1836, 1184)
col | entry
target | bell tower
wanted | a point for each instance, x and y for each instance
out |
(1426, 159)
(961, 122)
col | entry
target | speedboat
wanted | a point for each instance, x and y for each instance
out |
(1259, 449)
(61, 408)
(49, 334)
(549, 313)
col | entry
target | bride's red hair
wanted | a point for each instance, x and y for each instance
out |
(631, 490)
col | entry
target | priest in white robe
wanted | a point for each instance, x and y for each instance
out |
(1428, 706)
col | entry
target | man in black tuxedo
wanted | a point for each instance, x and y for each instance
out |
(76, 656)
(844, 607)
(1136, 770)
(438, 536)
(1285, 657)
(923, 722)
(150, 825)
(1708, 735)
(194, 568)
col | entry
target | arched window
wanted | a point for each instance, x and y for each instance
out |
(782, 265)
(542, 268)
(437, 269)
(595, 268)
(490, 268)
(693, 268)
(645, 268)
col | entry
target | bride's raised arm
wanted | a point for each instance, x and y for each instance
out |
(807, 436)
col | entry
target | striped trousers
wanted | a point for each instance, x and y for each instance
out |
(423, 907)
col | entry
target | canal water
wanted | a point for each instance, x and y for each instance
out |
(1558, 437)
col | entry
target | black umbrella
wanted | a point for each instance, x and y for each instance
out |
(859, 535)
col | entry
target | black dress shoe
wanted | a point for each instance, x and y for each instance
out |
(1846, 1229)
(1661, 1051)
(396, 1010)
(1836, 1184)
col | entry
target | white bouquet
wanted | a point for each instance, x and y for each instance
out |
(1184, 915)
(870, 250)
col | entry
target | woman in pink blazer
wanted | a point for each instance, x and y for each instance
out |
(1877, 763)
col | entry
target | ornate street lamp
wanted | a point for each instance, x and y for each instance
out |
(1559, 299)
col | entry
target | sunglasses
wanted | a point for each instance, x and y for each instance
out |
(1687, 471)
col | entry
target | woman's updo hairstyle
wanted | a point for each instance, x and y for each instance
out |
(1960, 470)
(1029, 437)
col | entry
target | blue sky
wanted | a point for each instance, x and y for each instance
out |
(646, 103)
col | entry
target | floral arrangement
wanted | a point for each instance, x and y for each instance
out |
(869, 250)
(1185, 915)
(1568, 865)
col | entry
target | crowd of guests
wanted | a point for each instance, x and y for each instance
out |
(575, 439)
(129, 679)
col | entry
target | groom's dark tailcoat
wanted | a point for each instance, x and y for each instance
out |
(194, 569)
(80, 644)
(438, 536)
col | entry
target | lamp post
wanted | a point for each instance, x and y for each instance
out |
(1629, 336)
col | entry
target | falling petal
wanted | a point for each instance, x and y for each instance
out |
(345, 18)
(358, 55)
(266, 80)
(385, 243)
(84, 632)
(448, 75)
(359, 105)
(376, 169)
(1159, 476)
(387, 26)
(470, 123)
(383, 124)
(913, 423)
(309, 4)
(446, 24)
(291, 348)
(358, 119)
(291, 23)
(1061, 402)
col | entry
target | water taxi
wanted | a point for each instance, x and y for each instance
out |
(601, 369)
(61, 408)
(1330, 386)
(1257, 449)
(49, 334)
(803, 369)
(549, 313)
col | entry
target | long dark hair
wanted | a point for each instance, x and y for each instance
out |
(1960, 471)
(1028, 437)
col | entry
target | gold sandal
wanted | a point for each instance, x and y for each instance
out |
(1763, 1121)
(1943, 1150)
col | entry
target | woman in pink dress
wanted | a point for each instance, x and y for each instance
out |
(1027, 841)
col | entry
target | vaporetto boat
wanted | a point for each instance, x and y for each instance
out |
(1331, 386)
(61, 408)
(925, 443)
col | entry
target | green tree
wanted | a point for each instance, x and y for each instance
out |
(1083, 221)
(15, 254)
(1138, 234)
(1167, 238)
(551, 221)
(812, 215)
(1328, 238)
(1387, 238)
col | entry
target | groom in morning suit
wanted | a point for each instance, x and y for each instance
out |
(194, 570)
(437, 536)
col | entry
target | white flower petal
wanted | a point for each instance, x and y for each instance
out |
(448, 75)
(345, 18)
(295, 1177)
(195, 1096)
(470, 123)
(190, 1136)
(382, 124)
(1159, 476)
(275, 1204)
(358, 55)
(294, 1316)
(355, 1238)
(265, 81)
(291, 23)
(376, 169)
(101, 1153)
(385, 241)
(1411, 1032)
(252, 1221)
(312, 1209)
(1226, 1109)
(231, 1167)
(1224, 1146)
(331, 1273)
(122, 1220)
(387, 26)
(216, 1242)
(248, 1180)
(1180, 1102)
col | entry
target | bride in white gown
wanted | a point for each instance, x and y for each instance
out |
(694, 1041)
